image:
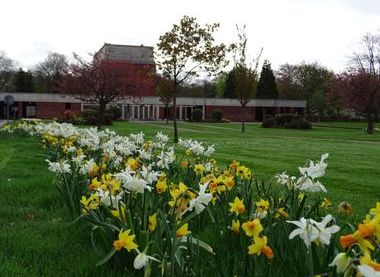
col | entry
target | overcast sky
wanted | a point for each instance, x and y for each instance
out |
(289, 30)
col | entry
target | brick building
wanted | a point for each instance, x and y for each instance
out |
(141, 104)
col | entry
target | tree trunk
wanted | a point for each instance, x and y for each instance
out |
(370, 122)
(308, 114)
(243, 117)
(101, 111)
(371, 112)
(167, 113)
(175, 113)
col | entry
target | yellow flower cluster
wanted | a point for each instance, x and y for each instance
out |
(367, 237)
(107, 182)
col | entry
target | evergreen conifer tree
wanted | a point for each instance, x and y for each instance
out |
(267, 87)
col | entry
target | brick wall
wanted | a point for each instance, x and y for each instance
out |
(54, 110)
(233, 113)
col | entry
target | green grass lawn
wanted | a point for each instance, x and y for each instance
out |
(352, 175)
(35, 236)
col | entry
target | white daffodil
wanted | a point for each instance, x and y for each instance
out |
(133, 183)
(78, 159)
(342, 262)
(87, 167)
(162, 138)
(368, 271)
(282, 178)
(202, 200)
(108, 199)
(165, 159)
(305, 183)
(144, 154)
(324, 233)
(315, 170)
(209, 151)
(149, 175)
(142, 260)
(306, 231)
(61, 167)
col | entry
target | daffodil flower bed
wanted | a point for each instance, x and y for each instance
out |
(158, 210)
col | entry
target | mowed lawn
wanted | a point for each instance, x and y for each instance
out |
(353, 172)
(36, 238)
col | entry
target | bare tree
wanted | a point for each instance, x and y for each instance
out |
(245, 76)
(50, 71)
(366, 64)
(184, 51)
(164, 91)
(7, 68)
(99, 82)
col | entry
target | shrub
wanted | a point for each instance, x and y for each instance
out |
(90, 117)
(290, 121)
(303, 124)
(197, 115)
(268, 123)
(115, 111)
(286, 119)
(217, 115)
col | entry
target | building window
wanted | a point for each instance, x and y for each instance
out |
(67, 106)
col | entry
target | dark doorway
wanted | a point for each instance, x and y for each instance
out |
(259, 113)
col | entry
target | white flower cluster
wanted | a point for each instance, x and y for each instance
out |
(197, 148)
(307, 181)
(89, 148)
(310, 230)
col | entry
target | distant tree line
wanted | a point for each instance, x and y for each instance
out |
(43, 78)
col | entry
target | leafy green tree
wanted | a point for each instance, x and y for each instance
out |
(184, 51)
(313, 80)
(220, 84)
(267, 86)
(23, 81)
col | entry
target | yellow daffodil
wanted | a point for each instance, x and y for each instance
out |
(252, 227)
(94, 170)
(260, 246)
(235, 227)
(125, 241)
(152, 222)
(132, 163)
(281, 211)
(243, 172)
(184, 164)
(237, 206)
(161, 186)
(262, 205)
(198, 169)
(95, 184)
(325, 203)
(91, 203)
(183, 230)
(234, 165)
(366, 260)
(119, 213)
